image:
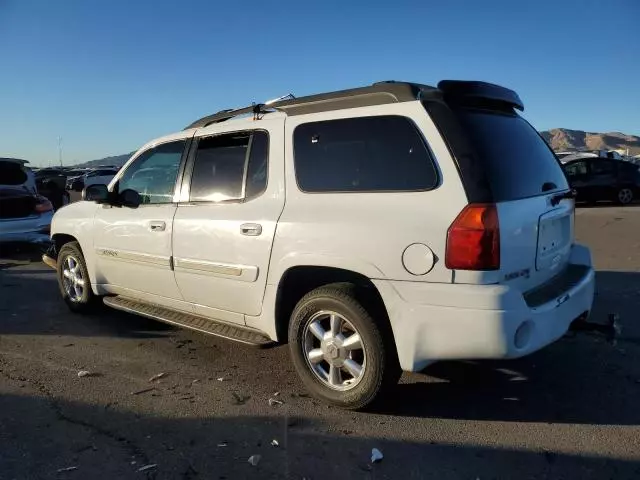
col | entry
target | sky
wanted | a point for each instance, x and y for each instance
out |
(108, 76)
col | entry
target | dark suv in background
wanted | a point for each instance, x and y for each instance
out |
(600, 178)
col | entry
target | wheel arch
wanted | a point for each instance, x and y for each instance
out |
(298, 280)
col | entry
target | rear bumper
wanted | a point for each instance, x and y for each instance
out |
(434, 322)
(31, 229)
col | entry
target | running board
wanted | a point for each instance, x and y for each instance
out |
(188, 320)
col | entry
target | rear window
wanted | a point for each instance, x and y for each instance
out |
(517, 161)
(364, 154)
(12, 174)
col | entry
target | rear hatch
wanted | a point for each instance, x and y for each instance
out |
(523, 178)
(16, 203)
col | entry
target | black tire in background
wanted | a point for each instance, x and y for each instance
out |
(71, 253)
(382, 369)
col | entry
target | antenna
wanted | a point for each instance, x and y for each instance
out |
(60, 150)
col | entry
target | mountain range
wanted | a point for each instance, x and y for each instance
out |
(563, 139)
(560, 139)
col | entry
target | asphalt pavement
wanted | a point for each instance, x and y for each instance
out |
(569, 411)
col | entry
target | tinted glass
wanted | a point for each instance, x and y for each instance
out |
(218, 171)
(257, 168)
(384, 153)
(576, 168)
(602, 167)
(154, 173)
(516, 159)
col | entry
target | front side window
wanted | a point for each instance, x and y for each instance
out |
(365, 154)
(575, 169)
(154, 173)
(230, 167)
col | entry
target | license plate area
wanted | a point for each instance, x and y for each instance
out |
(554, 241)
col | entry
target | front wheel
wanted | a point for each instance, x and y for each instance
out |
(339, 350)
(625, 196)
(73, 279)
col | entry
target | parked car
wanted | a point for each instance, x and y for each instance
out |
(376, 229)
(604, 179)
(94, 177)
(73, 175)
(25, 215)
(51, 183)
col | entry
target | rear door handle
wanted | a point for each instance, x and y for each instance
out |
(157, 226)
(251, 229)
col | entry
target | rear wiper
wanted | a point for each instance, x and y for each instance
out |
(556, 199)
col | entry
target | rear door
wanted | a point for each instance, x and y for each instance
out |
(527, 184)
(223, 230)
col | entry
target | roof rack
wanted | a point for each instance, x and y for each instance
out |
(377, 94)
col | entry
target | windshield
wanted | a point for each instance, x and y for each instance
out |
(517, 161)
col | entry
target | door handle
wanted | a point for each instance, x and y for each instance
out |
(157, 226)
(251, 229)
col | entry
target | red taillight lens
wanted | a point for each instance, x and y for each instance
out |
(473, 239)
(43, 205)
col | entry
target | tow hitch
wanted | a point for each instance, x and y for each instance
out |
(610, 330)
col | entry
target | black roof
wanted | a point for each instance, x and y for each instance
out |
(379, 93)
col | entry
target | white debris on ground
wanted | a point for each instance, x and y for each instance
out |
(148, 467)
(376, 455)
(273, 402)
(158, 376)
(84, 373)
(68, 469)
(274, 443)
(254, 460)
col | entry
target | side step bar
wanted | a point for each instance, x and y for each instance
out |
(187, 320)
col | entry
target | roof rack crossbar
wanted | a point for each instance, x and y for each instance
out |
(227, 114)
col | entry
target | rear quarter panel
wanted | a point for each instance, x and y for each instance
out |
(368, 232)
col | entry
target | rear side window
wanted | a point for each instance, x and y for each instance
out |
(602, 167)
(516, 160)
(384, 153)
(230, 167)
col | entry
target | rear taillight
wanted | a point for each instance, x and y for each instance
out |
(43, 205)
(473, 239)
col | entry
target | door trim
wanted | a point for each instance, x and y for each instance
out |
(133, 257)
(244, 273)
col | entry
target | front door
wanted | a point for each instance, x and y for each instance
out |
(223, 232)
(133, 245)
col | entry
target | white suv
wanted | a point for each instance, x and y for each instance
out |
(376, 230)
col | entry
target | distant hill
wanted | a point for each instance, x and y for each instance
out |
(564, 139)
(116, 160)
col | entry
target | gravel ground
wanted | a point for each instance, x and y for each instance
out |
(568, 411)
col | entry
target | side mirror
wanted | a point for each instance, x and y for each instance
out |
(95, 193)
(130, 198)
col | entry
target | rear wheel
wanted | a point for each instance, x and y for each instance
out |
(339, 350)
(625, 196)
(73, 279)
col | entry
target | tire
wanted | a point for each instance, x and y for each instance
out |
(79, 298)
(377, 357)
(624, 196)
